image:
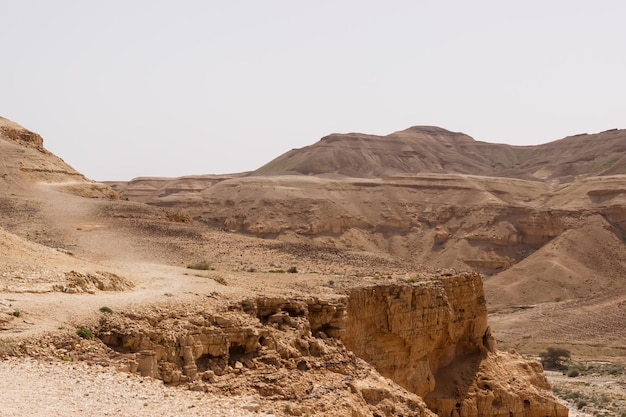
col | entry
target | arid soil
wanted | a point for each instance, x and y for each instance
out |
(553, 256)
(302, 248)
(37, 387)
(593, 394)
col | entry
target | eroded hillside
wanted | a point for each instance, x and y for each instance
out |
(352, 329)
(545, 243)
(429, 149)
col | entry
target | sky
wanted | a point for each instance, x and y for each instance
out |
(122, 89)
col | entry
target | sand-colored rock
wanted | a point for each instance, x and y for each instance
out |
(373, 321)
(535, 242)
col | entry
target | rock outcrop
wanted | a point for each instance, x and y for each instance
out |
(23, 137)
(24, 161)
(417, 334)
(410, 332)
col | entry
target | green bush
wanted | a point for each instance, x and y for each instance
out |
(16, 313)
(85, 333)
(292, 270)
(105, 309)
(201, 266)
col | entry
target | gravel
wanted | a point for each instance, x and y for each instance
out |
(36, 388)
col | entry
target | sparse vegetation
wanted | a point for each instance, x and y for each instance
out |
(276, 271)
(292, 270)
(85, 333)
(595, 391)
(613, 369)
(105, 309)
(201, 266)
(554, 358)
(595, 369)
(16, 313)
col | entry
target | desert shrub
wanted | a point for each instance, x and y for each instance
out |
(553, 358)
(292, 270)
(615, 369)
(201, 266)
(85, 333)
(581, 404)
(105, 309)
(277, 271)
(573, 372)
(16, 313)
(612, 369)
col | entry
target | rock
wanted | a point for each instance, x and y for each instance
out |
(429, 339)
(252, 404)
(147, 363)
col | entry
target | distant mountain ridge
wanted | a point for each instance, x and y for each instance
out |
(430, 149)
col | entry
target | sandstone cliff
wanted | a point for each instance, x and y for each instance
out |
(430, 337)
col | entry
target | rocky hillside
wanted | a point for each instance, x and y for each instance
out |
(352, 329)
(24, 161)
(429, 338)
(544, 224)
(427, 149)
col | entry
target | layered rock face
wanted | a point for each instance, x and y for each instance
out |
(417, 334)
(519, 234)
(23, 137)
(272, 348)
(24, 161)
(409, 332)
(433, 339)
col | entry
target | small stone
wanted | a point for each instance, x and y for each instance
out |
(252, 406)
(198, 387)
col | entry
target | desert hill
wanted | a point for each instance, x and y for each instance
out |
(25, 162)
(169, 291)
(427, 149)
(545, 225)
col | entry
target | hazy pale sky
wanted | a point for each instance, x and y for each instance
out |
(121, 89)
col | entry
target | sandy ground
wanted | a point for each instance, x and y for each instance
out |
(602, 394)
(35, 388)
